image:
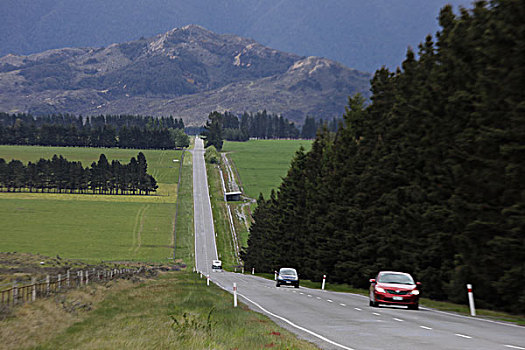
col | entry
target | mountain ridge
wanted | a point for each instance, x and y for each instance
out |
(186, 72)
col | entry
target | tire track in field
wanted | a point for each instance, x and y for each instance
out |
(141, 226)
(155, 173)
(137, 226)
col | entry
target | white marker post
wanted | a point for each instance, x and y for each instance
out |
(208, 280)
(275, 275)
(471, 300)
(324, 281)
(253, 270)
(234, 294)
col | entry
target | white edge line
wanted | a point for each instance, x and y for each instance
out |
(450, 313)
(472, 318)
(296, 326)
(425, 327)
(463, 336)
(514, 347)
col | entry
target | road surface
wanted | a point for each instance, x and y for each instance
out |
(342, 320)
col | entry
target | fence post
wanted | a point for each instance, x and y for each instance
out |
(234, 294)
(48, 286)
(15, 293)
(80, 277)
(87, 277)
(67, 277)
(208, 280)
(33, 288)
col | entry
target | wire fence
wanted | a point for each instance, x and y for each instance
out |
(19, 294)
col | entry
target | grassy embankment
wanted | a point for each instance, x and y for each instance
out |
(261, 164)
(176, 310)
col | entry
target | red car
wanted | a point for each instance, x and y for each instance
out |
(394, 288)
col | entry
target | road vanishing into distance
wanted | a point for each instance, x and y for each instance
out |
(335, 320)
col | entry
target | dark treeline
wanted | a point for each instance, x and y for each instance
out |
(124, 131)
(428, 178)
(259, 125)
(311, 126)
(60, 175)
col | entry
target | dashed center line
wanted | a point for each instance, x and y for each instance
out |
(328, 300)
(309, 296)
(301, 293)
(318, 298)
(463, 336)
(425, 327)
(375, 313)
(514, 347)
(398, 319)
(358, 309)
(342, 304)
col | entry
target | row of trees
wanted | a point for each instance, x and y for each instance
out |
(116, 121)
(428, 178)
(221, 126)
(71, 131)
(60, 175)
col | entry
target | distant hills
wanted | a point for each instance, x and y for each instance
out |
(186, 72)
(360, 34)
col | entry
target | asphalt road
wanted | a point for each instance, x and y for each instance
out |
(341, 320)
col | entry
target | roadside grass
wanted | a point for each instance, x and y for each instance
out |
(174, 311)
(224, 239)
(262, 164)
(242, 220)
(92, 227)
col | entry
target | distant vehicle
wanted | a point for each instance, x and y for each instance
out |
(216, 265)
(288, 276)
(394, 288)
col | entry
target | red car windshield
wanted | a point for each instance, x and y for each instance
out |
(395, 278)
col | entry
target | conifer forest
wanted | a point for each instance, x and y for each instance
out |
(427, 178)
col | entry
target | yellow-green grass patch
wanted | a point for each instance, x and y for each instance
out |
(88, 230)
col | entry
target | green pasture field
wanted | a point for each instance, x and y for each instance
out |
(263, 163)
(92, 227)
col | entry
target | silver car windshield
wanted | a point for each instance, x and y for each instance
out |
(395, 278)
(288, 272)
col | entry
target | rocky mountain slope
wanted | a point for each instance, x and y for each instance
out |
(360, 34)
(187, 72)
